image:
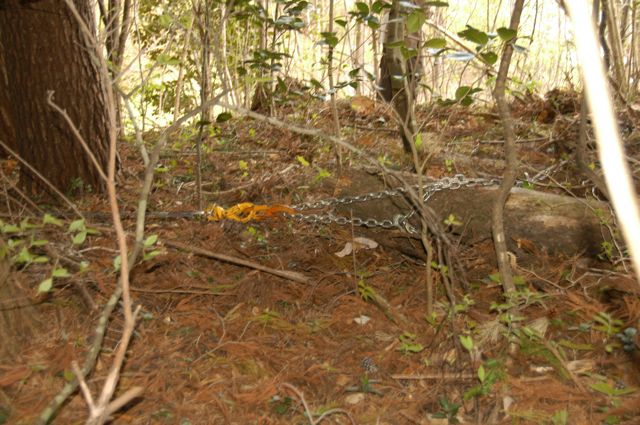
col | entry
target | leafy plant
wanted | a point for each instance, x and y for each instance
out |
(257, 235)
(561, 417)
(606, 251)
(489, 373)
(365, 386)
(148, 248)
(607, 324)
(408, 344)
(281, 406)
(57, 272)
(467, 342)
(463, 305)
(449, 411)
(448, 164)
(78, 231)
(366, 292)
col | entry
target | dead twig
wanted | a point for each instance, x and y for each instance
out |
(116, 404)
(285, 274)
(41, 177)
(308, 412)
(437, 376)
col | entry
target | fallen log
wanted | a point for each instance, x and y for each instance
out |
(534, 221)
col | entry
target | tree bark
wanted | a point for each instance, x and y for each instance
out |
(42, 49)
(509, 174)
(397, 74)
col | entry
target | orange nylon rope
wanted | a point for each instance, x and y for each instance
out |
(245, 212)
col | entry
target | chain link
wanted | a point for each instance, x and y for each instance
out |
(400, 221)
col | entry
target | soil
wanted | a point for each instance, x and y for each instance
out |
(218, 343)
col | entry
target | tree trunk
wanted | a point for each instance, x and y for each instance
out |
(397, 74)
(7, 131)
(42, 49)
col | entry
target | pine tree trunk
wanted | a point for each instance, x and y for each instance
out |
(42, 49)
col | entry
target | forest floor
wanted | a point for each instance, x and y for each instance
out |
(219, 343)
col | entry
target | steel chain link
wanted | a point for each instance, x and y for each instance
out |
(401, 221)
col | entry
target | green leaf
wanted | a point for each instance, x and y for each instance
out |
(24, 256)
(606, 388)
(45, 285)
(575, 346)
(489, 57)
(166, 59)
(10, 228)
(223, 117)
(165, 20)
(68, 375)
(341, 22)
(84, 265)
(507, 34)
(481, 373)
(77, 225)
(39, 242)
(41, 259)
(329, 38)
(415, 21)
(92, 231)
(437, 3)
(151, 240)
(395, 44)
(518, 280)
(322, 174)
(495, 277)
(362, 7)
(49, 219)
(418, 141)
(467, 342)
(302, 161)
(151, 254)
(408, 53)
(79, 238)
(378, 5)
(561, 417)
(25, 225)
(117, 262)
(463, 95)
(242, 164)
(436, 43)
(60, 272)
(451, 220)
(474, 35)
(14, 243)
(373, 22)
(464, 91)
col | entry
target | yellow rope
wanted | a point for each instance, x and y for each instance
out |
(245, 212)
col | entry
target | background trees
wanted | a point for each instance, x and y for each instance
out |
(295, 65)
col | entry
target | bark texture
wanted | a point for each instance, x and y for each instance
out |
(42, 49)
(398, 76)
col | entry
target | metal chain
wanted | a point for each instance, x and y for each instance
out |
(400, 221)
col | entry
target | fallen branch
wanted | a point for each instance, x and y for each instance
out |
(437, 377)
(285, 274)
(308, 412)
